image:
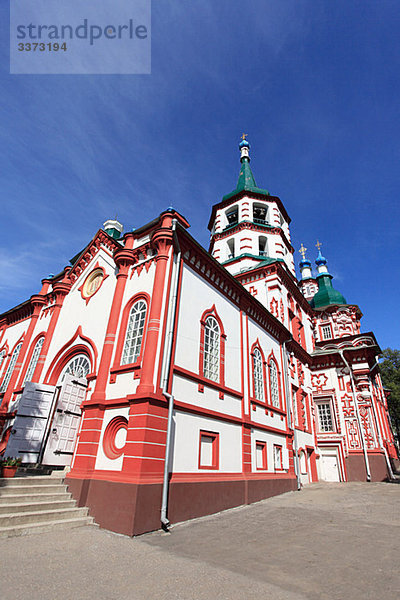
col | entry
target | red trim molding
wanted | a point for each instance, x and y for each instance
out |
(215, 449)
(212, 312)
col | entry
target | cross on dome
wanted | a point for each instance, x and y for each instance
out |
(303, 251)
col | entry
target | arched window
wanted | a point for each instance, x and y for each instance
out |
(258, 375)
(134, 333)
(211, 349)
(274, 385)
(10, 368)
(34, 360)
(78, 366)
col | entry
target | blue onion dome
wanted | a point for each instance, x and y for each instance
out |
(244, 144)
(305, 263)
(320, 260)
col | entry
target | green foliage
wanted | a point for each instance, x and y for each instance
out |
(390, 372)
(11, 462)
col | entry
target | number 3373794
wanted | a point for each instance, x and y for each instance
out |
(42, 47)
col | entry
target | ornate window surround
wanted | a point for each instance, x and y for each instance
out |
(212, 312)
(8, 371)
(256, 346)
(272, 359)
(117, 366)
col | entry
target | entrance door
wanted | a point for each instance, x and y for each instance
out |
(29, 428)
(65, 422)
(330, 468)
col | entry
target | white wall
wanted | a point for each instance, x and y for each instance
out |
(196, 297)
(186, 443)
(271, 439)
(102, 461)
(91, 316)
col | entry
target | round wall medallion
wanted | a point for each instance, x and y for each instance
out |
(115, 437)
(92, 283)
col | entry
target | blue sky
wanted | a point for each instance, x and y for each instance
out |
(314, 83)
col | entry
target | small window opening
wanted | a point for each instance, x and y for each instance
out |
(326, 332)
(232, 216)
(231, 248)
(262, 246)
(259, 214)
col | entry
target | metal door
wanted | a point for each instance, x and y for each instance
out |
(29, 427)
(63, 429)
(330, 468)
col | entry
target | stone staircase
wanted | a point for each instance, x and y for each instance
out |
(37, 504)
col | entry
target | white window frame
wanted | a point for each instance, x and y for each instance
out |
(326, 328)
(34, 360)
(274, 384)
(78, 366)
(212, 341)
(258, 375)
(10, 368)
(134, 333)
(331, 417)
(278, 457)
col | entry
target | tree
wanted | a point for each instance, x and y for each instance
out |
(390, 373)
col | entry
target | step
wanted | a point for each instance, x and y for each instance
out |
(30, 528)
(14, 519)
(22, 507)
(29, 480)
(21, 498)
(32, 489)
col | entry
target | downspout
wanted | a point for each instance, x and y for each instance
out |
(289, 415)
(380, 440)
(358, 415)
(166, 375)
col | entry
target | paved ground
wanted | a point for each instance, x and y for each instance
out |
(331, 541)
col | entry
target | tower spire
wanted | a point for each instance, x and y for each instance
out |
(246, 178)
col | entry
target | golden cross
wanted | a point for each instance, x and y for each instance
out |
(303, 251)
(318, 244)
(244, 136)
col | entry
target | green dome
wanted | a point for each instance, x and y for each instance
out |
(326, 295)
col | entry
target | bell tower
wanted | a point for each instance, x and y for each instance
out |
(249, 227)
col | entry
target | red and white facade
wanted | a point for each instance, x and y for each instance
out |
(175, 385)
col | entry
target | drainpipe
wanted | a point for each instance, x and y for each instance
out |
(357, 415)
(289, 408)
(166, 374)
(380, 440)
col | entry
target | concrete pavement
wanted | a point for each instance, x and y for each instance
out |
(330, 541)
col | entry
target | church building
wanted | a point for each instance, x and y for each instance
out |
(174, 381)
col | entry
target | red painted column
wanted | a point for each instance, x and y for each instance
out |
(162, 239)
(93, 409)
(60, 290)
(123, 259)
